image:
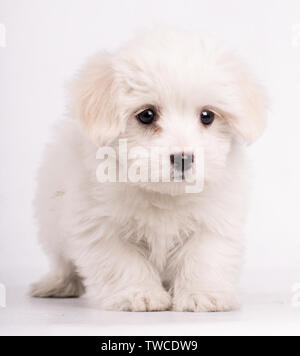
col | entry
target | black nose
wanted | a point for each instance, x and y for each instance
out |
(182, 161)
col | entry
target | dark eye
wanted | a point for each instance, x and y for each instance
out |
(207, 117)
(147, 117)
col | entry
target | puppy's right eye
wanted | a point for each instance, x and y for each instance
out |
(147, 117)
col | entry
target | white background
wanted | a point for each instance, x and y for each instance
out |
(47, 41)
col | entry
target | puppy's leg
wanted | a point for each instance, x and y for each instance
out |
(61, 282)
(205, 274)
(118, 276)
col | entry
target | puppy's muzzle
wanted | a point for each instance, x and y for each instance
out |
(182, 162)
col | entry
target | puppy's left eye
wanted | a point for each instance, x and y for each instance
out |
(207, 117)
(147, 117)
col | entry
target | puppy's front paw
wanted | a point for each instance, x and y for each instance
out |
(205, 302)
(140, 300)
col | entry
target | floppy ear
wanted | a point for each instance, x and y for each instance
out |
(94, 100)
(251, 121)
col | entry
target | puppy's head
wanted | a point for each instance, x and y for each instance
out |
(173, 91)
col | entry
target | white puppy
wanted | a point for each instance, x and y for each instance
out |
(144, 245)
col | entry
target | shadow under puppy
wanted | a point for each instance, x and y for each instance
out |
(143, 245)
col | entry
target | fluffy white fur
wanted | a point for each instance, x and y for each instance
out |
(148, 247)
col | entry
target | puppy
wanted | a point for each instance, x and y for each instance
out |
(132, 243)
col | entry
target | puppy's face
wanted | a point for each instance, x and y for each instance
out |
(178, 100)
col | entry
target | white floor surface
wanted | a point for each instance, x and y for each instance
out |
(260, 315)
